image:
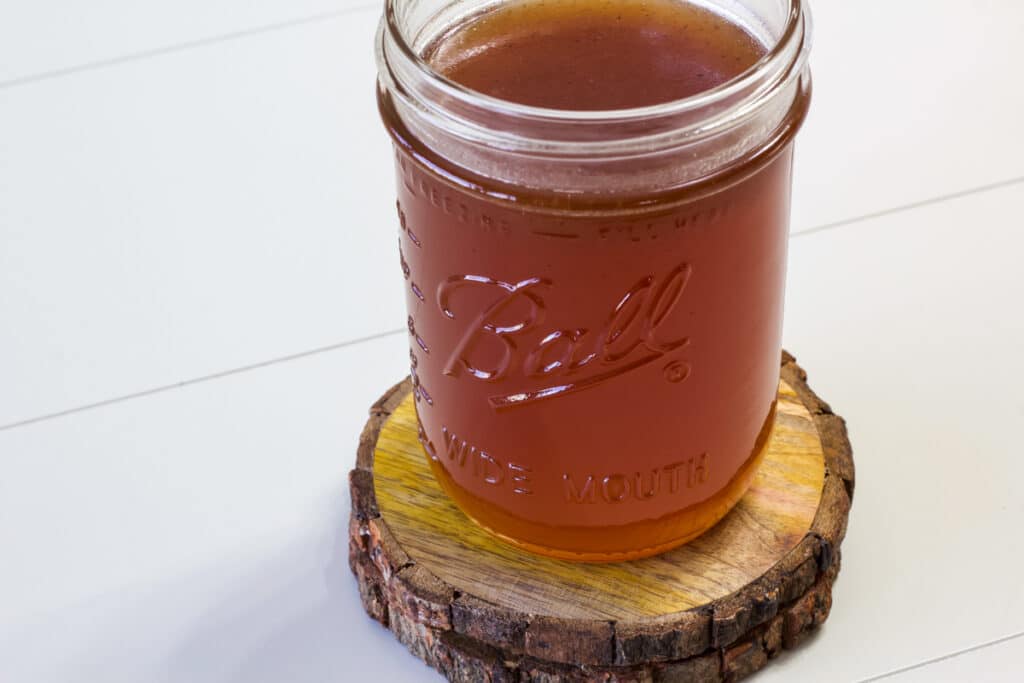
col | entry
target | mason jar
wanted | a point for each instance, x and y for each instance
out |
(595, 298)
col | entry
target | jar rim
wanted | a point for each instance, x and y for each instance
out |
(779, 57)
(667, 145)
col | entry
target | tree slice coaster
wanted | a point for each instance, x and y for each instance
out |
(714, 609)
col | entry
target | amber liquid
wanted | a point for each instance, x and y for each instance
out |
(594, 380)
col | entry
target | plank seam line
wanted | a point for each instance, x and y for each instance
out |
(183, 46)
(936, 660)
(199, 380)
(979, 189)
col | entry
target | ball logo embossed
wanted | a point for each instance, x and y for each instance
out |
(574, 358)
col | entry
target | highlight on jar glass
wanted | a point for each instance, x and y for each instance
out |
(593, 200)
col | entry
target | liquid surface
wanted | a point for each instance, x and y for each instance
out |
(592, 55)
(594, 385)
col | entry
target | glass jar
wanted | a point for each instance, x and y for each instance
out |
(595, 297)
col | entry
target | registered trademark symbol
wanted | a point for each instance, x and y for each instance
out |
(677, 371)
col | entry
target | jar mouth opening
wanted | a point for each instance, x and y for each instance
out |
(780, 57)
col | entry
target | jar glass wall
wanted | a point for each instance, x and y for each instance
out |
(595, 297)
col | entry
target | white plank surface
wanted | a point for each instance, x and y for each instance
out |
(41, 37)
(911, 327)
(175, 217)
(196, 535)
(912, 100)
(995, 663)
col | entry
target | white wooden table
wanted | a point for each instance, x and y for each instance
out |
(196, 199)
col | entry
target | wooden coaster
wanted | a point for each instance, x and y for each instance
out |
(715, 609)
